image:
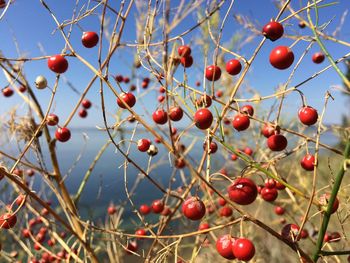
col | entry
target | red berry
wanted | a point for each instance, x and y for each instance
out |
(241, 122)
(233, 67)
(160, 98)
(213, 147)
(193, 208)
(277, 142)
(57, 64)
(26, 233)
(270, 183)
(30, 172)
(290, 232)
(203, 226)
(143, 145)
(225, 211)
(203, 119)
(131, 247)
(327, 237)
(304, 234)
(160, 116)
(145, 209)
(224, 246)
(243, 249)
(8, 221)
(20, 199)
(187, 61)
(86, 104)
(212, 73)
(302, 24)
(269, 194)
(180, 163)
(62, 134)
(126, 80)
(22, 88)
(83, 113)
(268, 130)
(248, 109)
(175, 113)
(162, 89)
(324, 199)
(128, 98)
(219, 93)
(132, 87)
(166, 211)
(198, 83)
(308, 162)
(7, 92)
(89, 39)
(119, 78)
(281, 57)
(234, 157)
(308, 115)
(335, 237)
(248, 151)
(205, 101)
(111, 210)
(279, 210)
(273, 30)
(52, 119)
(157, 206)
(318, 57)
(280, 186)
(222, 201)
(243, 191)
(140, 232)
(184, 51)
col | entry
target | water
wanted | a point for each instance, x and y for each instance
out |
(106, 183)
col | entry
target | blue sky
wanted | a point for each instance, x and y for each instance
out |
(31, 24)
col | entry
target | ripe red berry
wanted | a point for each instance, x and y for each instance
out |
(111, 210)
(221, 201)
(281, 57)
(160, 116)
(62, 134)
(273, 30)
(193, 208)
(175, 113)
(234, 157)
(280, 186)
(157, 206)
(224, 246)
(26, 233)
(219, 93)
(277, 142)
(7, 92)
(162, 89)
(248, 109)
(308, 115)
(128, 98)
(335, 237)
(318, 57)
(205, 101)
(203, 226)
(324, 199)
(279, 210)
(119, 78)
(270, 183)
(233, 67)
(57, 64)
(187, 61)
(269, 194)
(290, 232)
(243, 249)
(248, 151)
(22, 88)
(203, 119)
(83, 113)
(308, 162)
(143, 145)
(160, 98)
(52, 119)
(140, 232)
(144, 209)
(89, 39)
(268, 130)
(225, 211)
(126, 80)
(166, 211)
(243, 191)
(184, 51)
(304, 234)
(86, 104)
(8, 220)
(241, 122)
(30, 172)
(179, 163)
(213, 147)
(212, 73)
(131, 247)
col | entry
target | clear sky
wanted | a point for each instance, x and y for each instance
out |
(30, 24)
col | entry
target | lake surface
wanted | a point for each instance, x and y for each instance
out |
(106, 183)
